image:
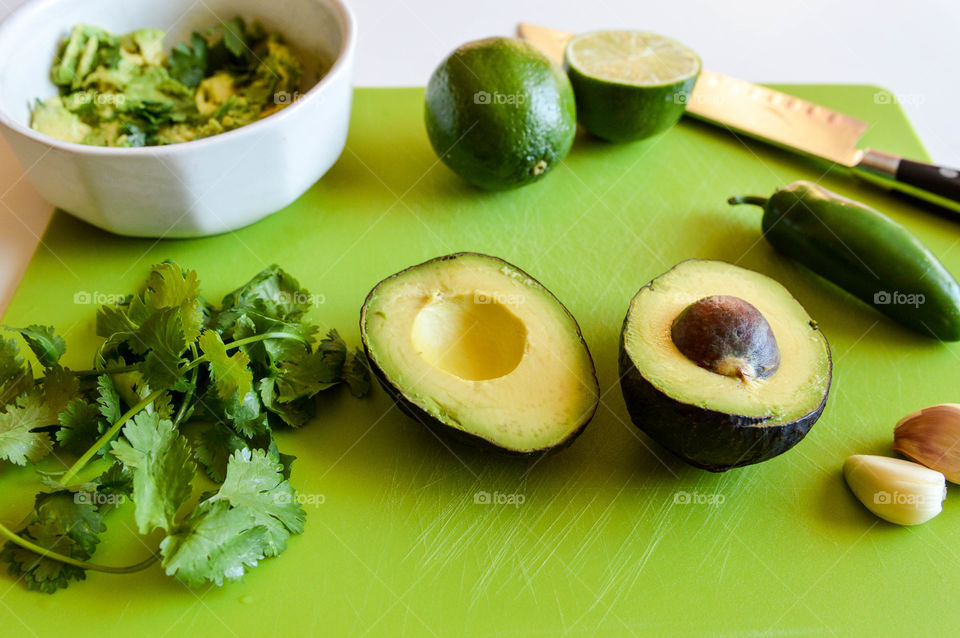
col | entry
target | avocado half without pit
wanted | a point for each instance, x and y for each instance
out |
(721, 365)
(475, 348)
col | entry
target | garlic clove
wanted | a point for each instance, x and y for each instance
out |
(898, 491)
(931, 437)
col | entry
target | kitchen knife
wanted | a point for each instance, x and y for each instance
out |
(796, 125)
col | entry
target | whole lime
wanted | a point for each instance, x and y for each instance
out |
(500, 113)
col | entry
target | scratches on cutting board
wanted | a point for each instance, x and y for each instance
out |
(617, 581)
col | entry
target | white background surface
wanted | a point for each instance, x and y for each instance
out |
(910, 48)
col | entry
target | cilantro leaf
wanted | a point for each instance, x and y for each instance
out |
(11, 363)
(114, 320)
(272, 293)
(19, 440)
(59, 386)
(233, 37)
(66, 514)
(163, 405)
(188, 62)
(170, 287)
(270, 353)
(247, 417)
(116, 480)
(214, 544)
(357, 374)
(39, 573)
(108, 402)
(15, 376)
(255, 484)
(213, 448)
(64, 524)
(249, 518)
(314, 372)
(230, 373)
(79, 425)
(162, 334)
(162, 466)
(108, 399)
(157, 324)
(285, 460)
(305, 377)
(334, 351)
(47, 346)
(294, 413)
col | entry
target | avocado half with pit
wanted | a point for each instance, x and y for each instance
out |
(475, 348)
(721, 365)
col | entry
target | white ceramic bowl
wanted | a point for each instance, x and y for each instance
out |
(195, 188)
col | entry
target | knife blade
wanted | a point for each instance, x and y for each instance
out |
(794, 124)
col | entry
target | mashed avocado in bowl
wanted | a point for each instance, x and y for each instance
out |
(123, 90)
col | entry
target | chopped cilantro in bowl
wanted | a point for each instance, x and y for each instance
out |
(125, 91)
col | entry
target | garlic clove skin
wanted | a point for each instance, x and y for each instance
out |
(931, 437)
(898, 491)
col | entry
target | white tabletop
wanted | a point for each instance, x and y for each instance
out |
(909, 48)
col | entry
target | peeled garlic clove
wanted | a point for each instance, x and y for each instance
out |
(898, 491)
(931, 437)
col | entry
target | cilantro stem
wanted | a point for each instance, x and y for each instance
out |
(46, 553)
(109, 434)
(243, 342)
(96, 373)
(188, 396)
(262, 337)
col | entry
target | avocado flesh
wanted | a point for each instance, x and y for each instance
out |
(709, 419)
(470, 343)
(51, 118)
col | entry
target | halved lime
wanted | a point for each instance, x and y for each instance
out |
(630, 85)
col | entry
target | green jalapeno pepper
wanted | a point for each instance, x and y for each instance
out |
(864, 252)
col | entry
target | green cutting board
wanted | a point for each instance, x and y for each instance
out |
(603, 542)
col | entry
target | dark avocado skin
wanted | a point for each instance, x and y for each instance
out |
(450, 432)
(704, 438)
(497, 146)
(453, 435)
(864, 252)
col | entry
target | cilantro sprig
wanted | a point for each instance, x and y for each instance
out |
(181, 395)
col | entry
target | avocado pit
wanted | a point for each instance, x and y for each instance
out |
(728, 336)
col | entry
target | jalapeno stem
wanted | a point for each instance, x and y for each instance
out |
(748, 199)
